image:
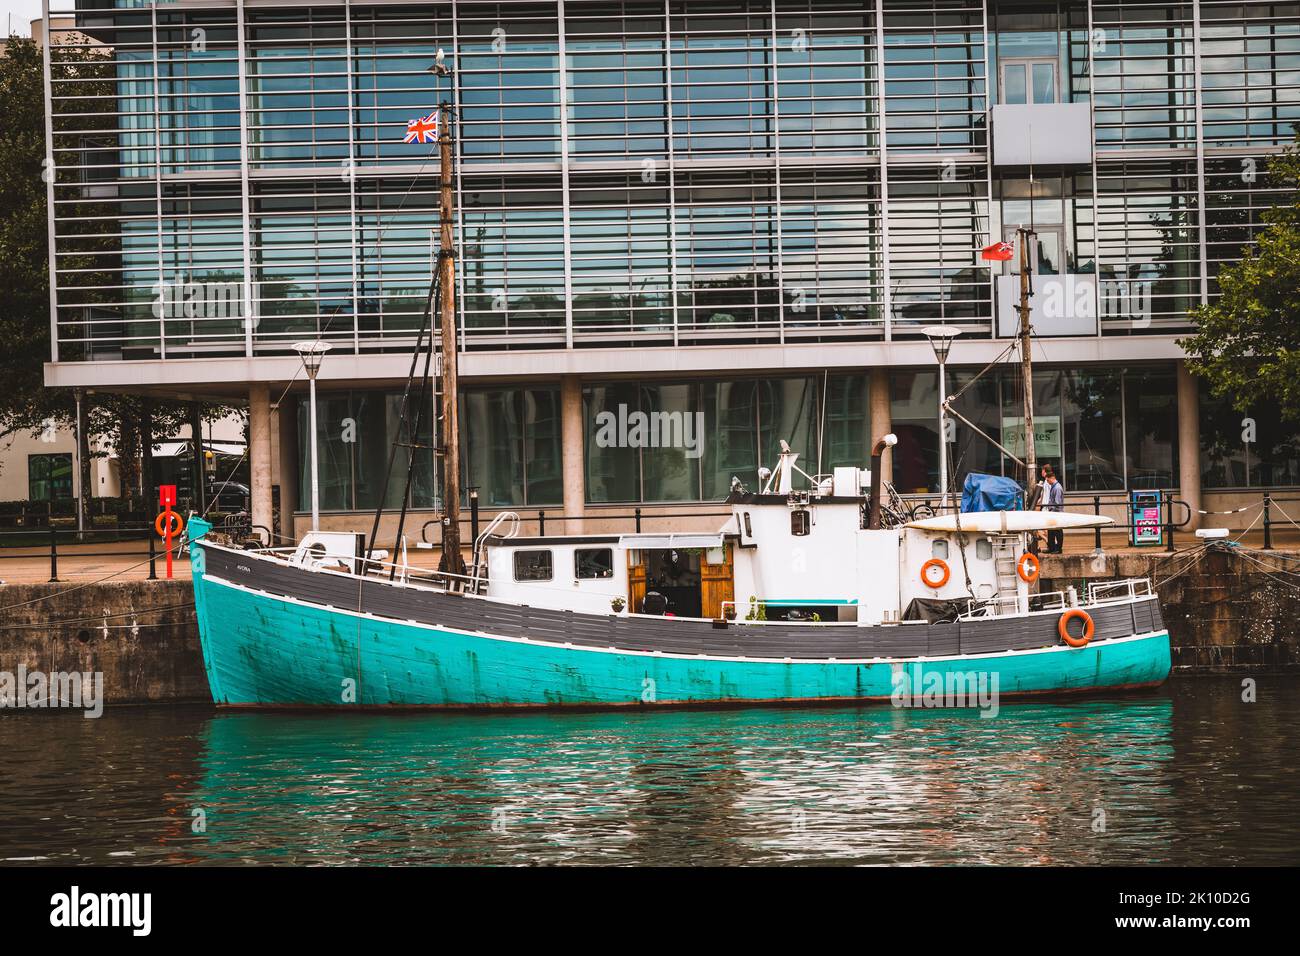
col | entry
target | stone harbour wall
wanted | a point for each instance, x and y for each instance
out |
(141, 635)
(1227, 609)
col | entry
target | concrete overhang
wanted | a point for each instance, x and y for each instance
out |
(226, 378)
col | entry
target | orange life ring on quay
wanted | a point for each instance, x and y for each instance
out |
(167, 517)
(1063, 628)
(1028, 574)
(934, 563)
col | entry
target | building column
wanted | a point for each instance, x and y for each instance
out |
(287, 473)
(880, 418)
(572, 434)
(259, 452)
(1189, 443)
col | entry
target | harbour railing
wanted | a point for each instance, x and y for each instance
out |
(1176, 515)
(53, 542)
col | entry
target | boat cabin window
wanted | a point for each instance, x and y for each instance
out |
(533, 565)
(939, 548)
(984, 549)
(594, 562)
(800, 522)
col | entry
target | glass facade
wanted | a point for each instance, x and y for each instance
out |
(1102, 430)
(355, 431)
(644, 441)
(685, 441)
(510, 449)
(669, 172)
(1251, 449)
(510, 442)
(231, 177)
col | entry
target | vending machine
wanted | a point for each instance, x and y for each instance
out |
(1144, 517)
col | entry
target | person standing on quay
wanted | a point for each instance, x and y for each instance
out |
(1053, 500)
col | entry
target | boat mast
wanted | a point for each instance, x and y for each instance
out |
(1027, 367)
(451, 561)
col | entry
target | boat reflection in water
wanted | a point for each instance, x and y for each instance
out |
(869, 785)
(1189, 774)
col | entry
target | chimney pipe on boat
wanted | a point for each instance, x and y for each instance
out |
(886, 441)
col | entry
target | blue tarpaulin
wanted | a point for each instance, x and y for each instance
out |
(991, 493)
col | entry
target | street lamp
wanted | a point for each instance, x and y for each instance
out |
(311, 354)
(941, 337)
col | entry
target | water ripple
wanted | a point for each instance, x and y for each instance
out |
(1191, 775)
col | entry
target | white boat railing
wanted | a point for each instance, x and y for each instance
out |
(489, 532)
(409, 574)
(1116, 592)
(1100, 592)
(1009, 605)
(404, 572)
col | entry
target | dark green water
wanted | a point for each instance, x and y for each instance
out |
(1189, 775)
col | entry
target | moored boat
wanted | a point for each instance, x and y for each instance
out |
(801, 596)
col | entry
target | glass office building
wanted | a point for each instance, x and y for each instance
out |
(746, 209)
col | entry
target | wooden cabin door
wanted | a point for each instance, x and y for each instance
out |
(635, 581)
(717, 584)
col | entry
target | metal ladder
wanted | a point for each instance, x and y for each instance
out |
(1005, 558)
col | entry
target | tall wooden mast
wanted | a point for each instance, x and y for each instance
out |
(1027, 366)
(451, 560)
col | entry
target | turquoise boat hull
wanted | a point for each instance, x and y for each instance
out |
(266, 650)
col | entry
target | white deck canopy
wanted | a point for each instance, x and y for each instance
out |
(1010, 522)
(664, 542)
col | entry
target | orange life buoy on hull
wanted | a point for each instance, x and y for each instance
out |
(936, 563)
(1027, 567)
(1063, 627)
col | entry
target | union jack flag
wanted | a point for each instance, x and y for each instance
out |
(424, 129)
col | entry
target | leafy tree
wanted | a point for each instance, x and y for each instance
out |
(87, 244)
(1247, 343)
(24, 282)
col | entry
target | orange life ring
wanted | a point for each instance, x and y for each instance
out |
(1031, 575)
(935, 563)
(1062, 627)
(167, 517)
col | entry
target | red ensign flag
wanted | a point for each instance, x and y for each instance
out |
(998, 252)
